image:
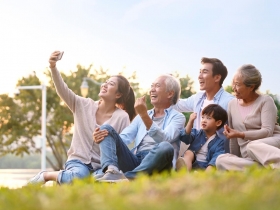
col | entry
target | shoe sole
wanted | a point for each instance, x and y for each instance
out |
(96, 178)
(113, 181)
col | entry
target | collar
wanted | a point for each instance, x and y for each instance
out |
(204, 134)
(167, 111)
(216, 96)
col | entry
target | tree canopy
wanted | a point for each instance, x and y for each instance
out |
(20, 118)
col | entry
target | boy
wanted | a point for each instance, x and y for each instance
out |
(204, 145)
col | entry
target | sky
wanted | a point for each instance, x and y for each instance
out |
(147, 36)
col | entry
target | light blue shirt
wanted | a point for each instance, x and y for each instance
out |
(195, 103)
(173, 122)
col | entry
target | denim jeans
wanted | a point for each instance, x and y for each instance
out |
(199, 165)
(74, 169)
(113, 151)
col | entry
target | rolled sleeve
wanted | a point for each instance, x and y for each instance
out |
(188, 138)
(170, 132)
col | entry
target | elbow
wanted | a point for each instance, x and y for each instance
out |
(268, 132)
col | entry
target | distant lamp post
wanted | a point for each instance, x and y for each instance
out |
(44, 119)
(84, 86)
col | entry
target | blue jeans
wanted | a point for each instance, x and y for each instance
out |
(113, 151)
(199, 165)
(74, 169)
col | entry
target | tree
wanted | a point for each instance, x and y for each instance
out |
(277, 103)
(20, 118)
(133, 83)
(229, 89)
(186, 89)
(16, 119)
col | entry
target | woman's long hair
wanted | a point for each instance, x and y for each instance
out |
(127, 100)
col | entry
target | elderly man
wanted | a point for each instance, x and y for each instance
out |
(155, 134)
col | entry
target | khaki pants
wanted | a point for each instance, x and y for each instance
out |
(264, 152)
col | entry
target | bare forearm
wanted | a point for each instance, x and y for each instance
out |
(189, 127)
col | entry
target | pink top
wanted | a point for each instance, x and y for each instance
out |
(260, 122)
(245, 110)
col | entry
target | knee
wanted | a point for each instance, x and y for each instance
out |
(220, 162)
(166, 148)
(111, 133)
(67, 176)
(107, 127)
(252, 147)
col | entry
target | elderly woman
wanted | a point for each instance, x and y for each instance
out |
(253, 132)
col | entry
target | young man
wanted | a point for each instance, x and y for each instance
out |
(211, 77)
(155, 134)
(204, 144)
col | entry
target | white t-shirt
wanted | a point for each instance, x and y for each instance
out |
(148, 142)
(202, 153)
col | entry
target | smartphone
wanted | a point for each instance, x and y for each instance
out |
(60, 55)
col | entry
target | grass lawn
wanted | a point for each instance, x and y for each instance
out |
(253, 189)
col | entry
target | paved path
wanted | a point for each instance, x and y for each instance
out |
(16, 178)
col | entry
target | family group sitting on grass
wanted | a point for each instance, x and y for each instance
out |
(223, 132)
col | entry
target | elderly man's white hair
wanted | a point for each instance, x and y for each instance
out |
(172, 84)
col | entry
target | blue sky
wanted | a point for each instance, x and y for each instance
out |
(149, 37)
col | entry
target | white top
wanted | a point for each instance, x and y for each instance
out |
(148, 142)
(202, 153)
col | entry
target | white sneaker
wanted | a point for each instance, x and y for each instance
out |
(38, 178)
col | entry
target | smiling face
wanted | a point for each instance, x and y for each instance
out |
(159, 97)
(206, 79)
(240, 89)
(109, 89)
(209, 124)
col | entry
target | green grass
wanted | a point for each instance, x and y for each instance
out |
(253, 189)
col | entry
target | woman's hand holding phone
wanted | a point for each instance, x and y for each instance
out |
(60, 55)
(55, 56)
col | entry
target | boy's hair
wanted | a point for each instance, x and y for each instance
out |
(217, 112)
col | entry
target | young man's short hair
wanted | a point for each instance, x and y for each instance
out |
(217, 112)
(218, 68)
